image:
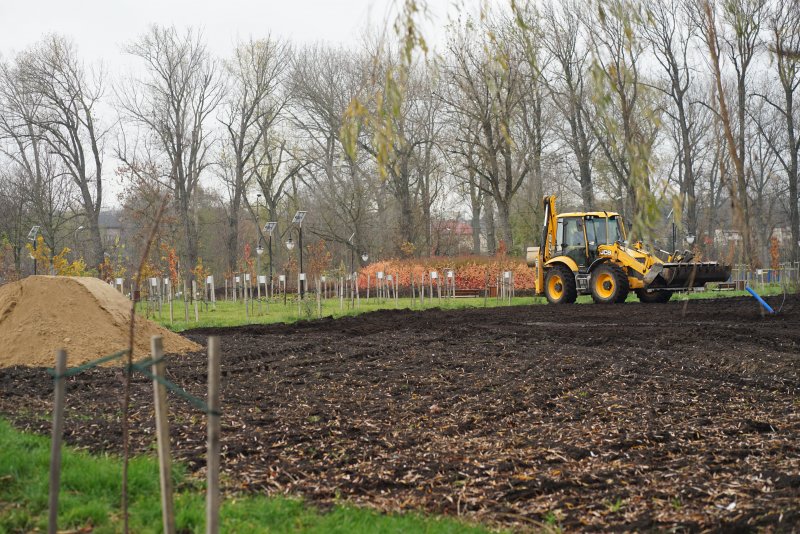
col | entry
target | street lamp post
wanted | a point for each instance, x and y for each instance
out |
(259, 252)
(259, 249)
(269, 228)
(352, 270)
(298, 220)
(32, 235)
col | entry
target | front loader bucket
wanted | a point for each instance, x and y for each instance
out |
(694, 274)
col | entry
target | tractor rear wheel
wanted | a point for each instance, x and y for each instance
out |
(653, 297)
(559, 286)
(609, 284)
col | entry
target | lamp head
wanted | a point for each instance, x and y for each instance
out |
(364, 257)
(259, 249)
(290, 243)
(690, 239)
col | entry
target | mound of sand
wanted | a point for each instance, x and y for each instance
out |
(85, 316)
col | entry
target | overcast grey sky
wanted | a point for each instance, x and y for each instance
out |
(100, 27)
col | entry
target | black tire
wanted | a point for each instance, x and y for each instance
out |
(609, 284)
(653, 297)
(559, 285)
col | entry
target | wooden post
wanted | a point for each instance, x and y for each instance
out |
(319, 301)
(212, 463)
(194, 298)
(185, 302)
(341, 292)
(396, 287)
(162, 434)
(171, 307)
(258, 288)
(55, 450)
(368, 277)
(244, 296)
(486, 289)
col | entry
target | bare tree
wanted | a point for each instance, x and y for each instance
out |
(252, 105)
(324, 82)
(35, 174)
(69, 99)
(784, 27)
(568, 87)
(626, 108)
(668, 30)
(743, 19)
(491, 80)
(172, 106)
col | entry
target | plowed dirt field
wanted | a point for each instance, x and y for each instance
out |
(589, 417)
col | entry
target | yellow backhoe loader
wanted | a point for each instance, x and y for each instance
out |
(588, 253)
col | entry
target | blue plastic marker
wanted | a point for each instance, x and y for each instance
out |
(759, 299)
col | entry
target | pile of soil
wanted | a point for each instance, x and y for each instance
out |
(583, 417)
(85, 316)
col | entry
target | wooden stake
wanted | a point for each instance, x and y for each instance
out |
(55, 450)
(185, 302)
(162, 434)
(319, 302)
(194, 298)
(213, 460)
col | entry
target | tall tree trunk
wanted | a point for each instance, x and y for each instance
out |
(476, 205)
(688, 170)
(584, 163)
(488, 217)
(794, 145)
(504, 222)
(232, 241)
(98, 251)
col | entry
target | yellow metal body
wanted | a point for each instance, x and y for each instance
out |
(640, 266)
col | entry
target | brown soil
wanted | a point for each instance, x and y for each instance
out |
(625, 417)
(85, 316)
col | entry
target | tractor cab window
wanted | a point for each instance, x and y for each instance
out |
(571, 238)
(603, 231)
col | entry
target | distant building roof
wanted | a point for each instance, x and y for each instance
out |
(110, 219)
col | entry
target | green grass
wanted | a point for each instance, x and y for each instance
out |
(233, 314)
(90, 498)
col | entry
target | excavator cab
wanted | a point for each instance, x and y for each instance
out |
(588, 253)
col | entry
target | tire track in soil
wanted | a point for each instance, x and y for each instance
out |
(626, 417)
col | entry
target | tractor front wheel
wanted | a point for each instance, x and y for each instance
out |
(559, 286)
(609, 284)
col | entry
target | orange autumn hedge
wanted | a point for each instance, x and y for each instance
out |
(470, 271)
